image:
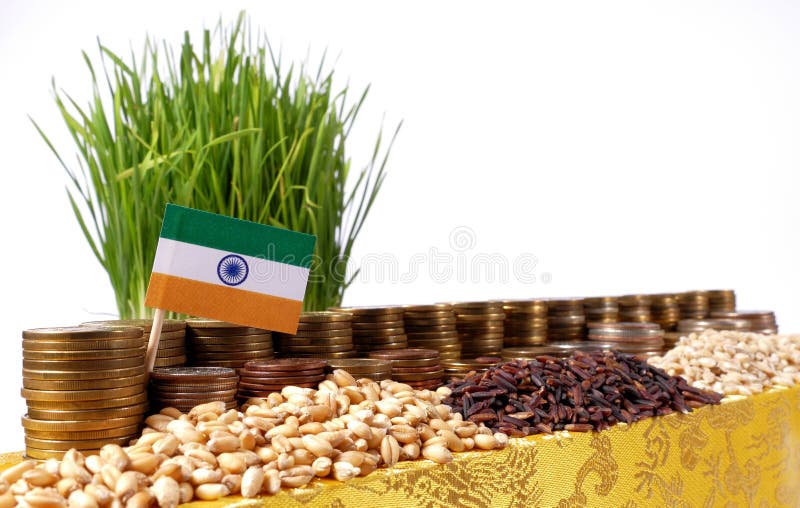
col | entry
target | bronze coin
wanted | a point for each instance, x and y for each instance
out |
(247, 339)
(286, 348)
(372, 325)
(359, 363)
(264, 390)
(343, 332)
(391, 339)
(317, 327)
(170, 361)
(416, 363)
(320, 356)
(286, 364)
(233, 355)
(300, 341)
(272, 380)
(209, 394)
(192, 374)
(406, 354)
(228, 348)
(232, 333)
(192, 388)
(170, 352)
(416, 370)
(380, 332)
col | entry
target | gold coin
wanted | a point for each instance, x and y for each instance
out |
(87, 414)
(83, 365)
(171, 361)
(168, 336)
(130, 430)
(36, 454)
(83, 333)
(80, 395)
(79, 375)
(101, 423)
(169, 325)
(101, 354)
(90, 384)
(82, 345)
(323, 317)
(171, 344)
(226, 332)
(169, 352)
(211, 323)
(76, 405)
(88, 444)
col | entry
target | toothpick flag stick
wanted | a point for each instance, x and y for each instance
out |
(152, 344)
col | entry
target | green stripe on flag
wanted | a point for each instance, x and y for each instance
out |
(237, 236)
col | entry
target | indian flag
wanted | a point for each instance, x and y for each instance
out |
(234, 270)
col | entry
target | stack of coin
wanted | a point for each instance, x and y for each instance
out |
(186, 387)
(320, 335)
(418, 368)
(259, 379)
(686, 326)
(664, 311)
(671, 339)
(433, 327)
(213, 343)
(372, 368)
(722, 300)
(601, 309)
(460, 369)
(376, 327)
(693, 304)
(634, 309)
(525, 323)
(555, 349)
(565, 320)
(480, 328)
(84, 388)
(171, 345)
(761, 321)
(645, 339)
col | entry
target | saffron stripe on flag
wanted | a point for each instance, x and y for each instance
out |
(235, 235)
(196, 262)
(224, 303)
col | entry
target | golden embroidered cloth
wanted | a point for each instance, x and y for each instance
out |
(743, 453)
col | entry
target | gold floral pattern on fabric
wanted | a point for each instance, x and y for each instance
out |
(743, 453)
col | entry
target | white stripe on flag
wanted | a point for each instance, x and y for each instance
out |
(200, 263)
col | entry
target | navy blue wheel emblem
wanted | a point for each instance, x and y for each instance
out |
(232, 270)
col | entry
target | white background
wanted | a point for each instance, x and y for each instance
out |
(628, 146)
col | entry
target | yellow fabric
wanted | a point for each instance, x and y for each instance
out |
(743, 453)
